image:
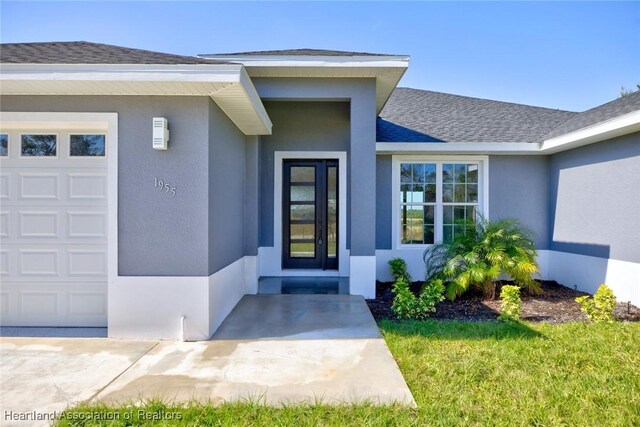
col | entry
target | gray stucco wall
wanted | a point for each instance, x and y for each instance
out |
(518, 188)
(298, 126)
(361, 95)
(383, 202)
(227, 147)
(158, 235)
(595, 199)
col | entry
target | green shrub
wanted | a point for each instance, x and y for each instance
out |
(408, 306)
(510, 303)
(399, 270)
(479, 257)
(600, 307)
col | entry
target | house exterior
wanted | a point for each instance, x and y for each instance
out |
(278, 163)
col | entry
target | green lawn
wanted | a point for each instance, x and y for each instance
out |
(463, 373)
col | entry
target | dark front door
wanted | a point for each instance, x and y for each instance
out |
(310, 214)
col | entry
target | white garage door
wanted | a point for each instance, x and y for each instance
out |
(53, 228)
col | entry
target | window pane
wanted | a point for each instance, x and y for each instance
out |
(302, 231)
(417, 224)
(430, 193)
(458, 213)
(332, 211)
(447, 173)
(460, 173)
(418, 173)
(430, 173)
(447, 233)
(447, 212)
(405, 173)
(4, 145)
(39, 145)
(303, 193)
(447, 193)
(86, 145)
(303, 212)
(406, 192)
(472, 193)
(472, 173)
(459, 195)
(302, 250)
(429, 235)
(303, 174)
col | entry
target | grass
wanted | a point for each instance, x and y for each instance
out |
(465, 373)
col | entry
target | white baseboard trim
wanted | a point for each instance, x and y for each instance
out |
(586, 273)
(571, 270)
(362, 280)
(413, 258)
(152, 307)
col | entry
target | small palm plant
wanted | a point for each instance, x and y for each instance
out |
(478, 258)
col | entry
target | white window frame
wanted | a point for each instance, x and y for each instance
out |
(483, 192)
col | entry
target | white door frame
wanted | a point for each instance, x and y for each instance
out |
(271, 260)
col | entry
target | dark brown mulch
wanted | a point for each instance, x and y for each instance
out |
(556, 304)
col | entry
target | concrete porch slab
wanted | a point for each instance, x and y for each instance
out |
(273, 349)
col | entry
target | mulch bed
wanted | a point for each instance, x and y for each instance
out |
(556, 304)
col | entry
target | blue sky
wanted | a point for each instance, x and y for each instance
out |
(557, 54)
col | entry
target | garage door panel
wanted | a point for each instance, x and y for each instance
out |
(4, 223)
(87, 224)
(38, 262)
(5, 186)
(38, 186)
(87, 262)
(53, 236)
(87, 186)
(42, 223)
(31, 304)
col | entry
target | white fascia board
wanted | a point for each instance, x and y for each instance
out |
(457, 148)
(622, 125)
(315, 61)
(205, 73)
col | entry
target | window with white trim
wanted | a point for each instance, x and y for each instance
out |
(436, 201)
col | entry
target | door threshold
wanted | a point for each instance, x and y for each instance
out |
(313, 285)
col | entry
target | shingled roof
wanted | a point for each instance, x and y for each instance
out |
(81, 52)
(413, 115)
(297, 52)
(618, 107)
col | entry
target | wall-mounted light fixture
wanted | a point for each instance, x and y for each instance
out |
(160, 133)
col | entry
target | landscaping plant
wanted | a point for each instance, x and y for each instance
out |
(599, 308)
(477, 258)
(399, 269)
(510, 303)
(406, 305)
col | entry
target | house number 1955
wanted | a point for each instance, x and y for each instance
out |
(165, 187)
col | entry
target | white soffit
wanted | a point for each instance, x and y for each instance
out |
(387, 70)
(227, 84)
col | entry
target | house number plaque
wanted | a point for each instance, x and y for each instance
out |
(164, 187)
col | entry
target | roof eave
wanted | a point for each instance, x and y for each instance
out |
(227, 84)
(617, 126)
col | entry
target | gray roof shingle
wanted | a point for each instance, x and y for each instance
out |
(604, 112)
(414, 115)
(298, 52)
(81, 52)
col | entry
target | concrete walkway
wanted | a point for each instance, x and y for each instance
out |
(272, 348)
